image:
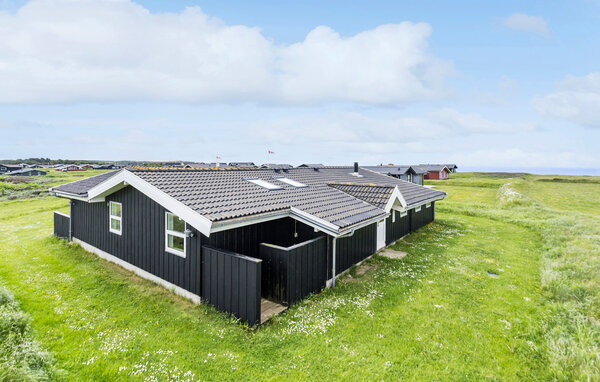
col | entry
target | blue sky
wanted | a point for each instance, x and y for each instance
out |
(483, 84)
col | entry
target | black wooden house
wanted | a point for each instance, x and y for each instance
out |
(232, 237)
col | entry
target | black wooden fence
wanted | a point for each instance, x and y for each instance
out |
(231, 282)
(292, 273)
(61, 225)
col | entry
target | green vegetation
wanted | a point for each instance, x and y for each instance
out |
(21, 358)
(503, 286)
(23, 187)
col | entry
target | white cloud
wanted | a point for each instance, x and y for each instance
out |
(111, 50)
(525, 23)
(577, 100)
(365, 130)
(523, 159)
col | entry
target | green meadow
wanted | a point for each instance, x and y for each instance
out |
(504, 285)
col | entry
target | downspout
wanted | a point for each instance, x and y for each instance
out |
(333, 264)
(71, 203)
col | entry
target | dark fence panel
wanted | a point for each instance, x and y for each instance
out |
(61, 225)
(422, 217)
(353, 249)
(292, 273)
(399, 228)
(231, 282)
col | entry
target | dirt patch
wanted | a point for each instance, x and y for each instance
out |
(362, 272)
(391, 254)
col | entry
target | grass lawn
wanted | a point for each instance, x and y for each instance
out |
(440, 313)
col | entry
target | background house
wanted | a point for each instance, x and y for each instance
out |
(435, 171)
(27, 172)
(8, 168)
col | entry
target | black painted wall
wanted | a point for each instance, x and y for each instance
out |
(421, 218)
(398, 229)
(353, 249)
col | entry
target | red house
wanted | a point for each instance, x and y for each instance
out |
(435, 171)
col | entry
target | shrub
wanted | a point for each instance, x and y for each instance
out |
(21, 358)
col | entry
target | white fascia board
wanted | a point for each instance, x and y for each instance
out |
(184, 212)
(422, 203)
(396, 195)
(67, 195)
(315, 220)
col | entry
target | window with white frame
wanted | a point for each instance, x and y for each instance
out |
(403, 214)
(115, 211)
(409, 177)
(428, 205)
(175, 234)
(418, 209)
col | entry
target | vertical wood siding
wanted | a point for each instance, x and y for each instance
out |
(353, 249)
(292, 273)
(421, 218)
(394, 231)
(231, 283)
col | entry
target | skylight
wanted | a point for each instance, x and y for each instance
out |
(292, 182)
(264, 184)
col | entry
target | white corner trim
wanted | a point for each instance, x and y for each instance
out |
(396, 195)
(138, 271)
(190, 216)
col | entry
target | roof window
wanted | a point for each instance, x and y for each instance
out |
(264, 184)
(291, 182)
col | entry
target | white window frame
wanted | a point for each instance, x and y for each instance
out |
(174, 233)
(264, 184)
(403, 214)
(428, 205)
(418, 209)
(115, 217)
(409, 177)
(291, 182)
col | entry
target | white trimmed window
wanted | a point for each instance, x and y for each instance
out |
(174, 234)
(115, 211)
(428, 205)
(403, 214)
(409, 177)
(418, 209)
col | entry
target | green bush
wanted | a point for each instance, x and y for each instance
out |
(21, 358)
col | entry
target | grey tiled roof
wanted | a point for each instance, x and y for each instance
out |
(25, 170)
(433, 167)
(391, 170)
(81, 187)
(227, 194)
(372, 194)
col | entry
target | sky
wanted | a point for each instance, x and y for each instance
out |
(485, 85)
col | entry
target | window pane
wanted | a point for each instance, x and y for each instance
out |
(115, 209)
(175, 224)
(115, 224)
(175, 242)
